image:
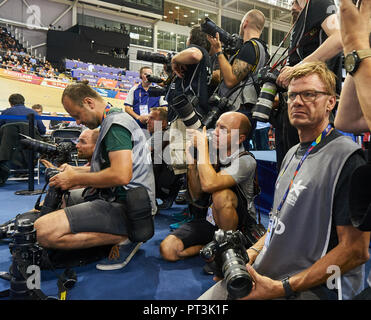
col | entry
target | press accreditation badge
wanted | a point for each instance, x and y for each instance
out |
(143, 110)
(210, 217)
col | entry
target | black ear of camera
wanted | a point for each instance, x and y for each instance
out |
(57, 153)
(267, 80)
(220, 105)
(228, 251)
(232, 42)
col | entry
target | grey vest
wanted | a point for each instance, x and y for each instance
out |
(248, 93)
(142, 163)
(302, 228)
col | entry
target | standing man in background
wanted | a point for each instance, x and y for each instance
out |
(138, 103)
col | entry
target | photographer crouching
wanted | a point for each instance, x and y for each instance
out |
(120, 175)
(229, 185)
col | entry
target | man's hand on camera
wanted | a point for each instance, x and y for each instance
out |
(47, 164)
(64, 179)
(263, 288)
(282, 78)
(216, 45)
(198, 137)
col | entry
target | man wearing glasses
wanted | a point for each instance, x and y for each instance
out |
(311, 250)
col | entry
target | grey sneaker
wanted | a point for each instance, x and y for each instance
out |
(119, 256)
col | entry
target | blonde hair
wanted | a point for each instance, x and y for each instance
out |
(320, 68)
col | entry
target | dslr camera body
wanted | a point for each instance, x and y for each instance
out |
(219, 106)
(53, 198)
(228, 254)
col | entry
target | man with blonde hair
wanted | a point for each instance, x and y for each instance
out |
(310, 235)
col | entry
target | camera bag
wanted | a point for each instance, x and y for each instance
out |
(139, 215)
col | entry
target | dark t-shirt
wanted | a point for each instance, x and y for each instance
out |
(197, 77)
(340, 210)
(308, 35)
(247, 53)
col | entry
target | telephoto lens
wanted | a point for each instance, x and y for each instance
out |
(209, 27)
(239, 282)
(263, 107)
(185, 106)
(152, 78)
(151, 57)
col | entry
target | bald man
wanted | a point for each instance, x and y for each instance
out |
(85, 146)
(239, 74)
(227, 182)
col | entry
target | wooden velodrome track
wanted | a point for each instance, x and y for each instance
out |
(49, 98)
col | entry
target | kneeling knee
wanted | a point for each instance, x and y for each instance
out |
(42, 234)
(169, 248)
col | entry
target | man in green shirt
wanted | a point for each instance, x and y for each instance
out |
(98, 215)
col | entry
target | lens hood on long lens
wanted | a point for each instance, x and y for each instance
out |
(39, 146)
(239, 286)
(209, 27)
(152, 57)
(154, 79)
(263, 107)
(239, 283)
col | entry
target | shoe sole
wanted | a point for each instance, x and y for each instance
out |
(119, 265)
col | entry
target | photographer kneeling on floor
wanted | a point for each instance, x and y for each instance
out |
(120, 174)
(229, 185)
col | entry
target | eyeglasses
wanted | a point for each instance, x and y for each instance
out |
(306, 96)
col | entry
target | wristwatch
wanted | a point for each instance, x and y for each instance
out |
(289, 293)
(218, 53)
(353, 59)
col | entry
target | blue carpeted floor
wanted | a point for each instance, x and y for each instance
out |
(146, 277)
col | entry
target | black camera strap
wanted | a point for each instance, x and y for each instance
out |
(37, 204)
